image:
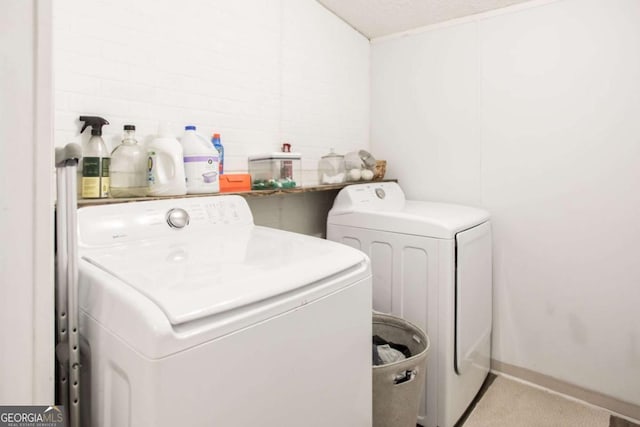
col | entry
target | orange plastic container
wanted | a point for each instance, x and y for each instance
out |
(234, 182)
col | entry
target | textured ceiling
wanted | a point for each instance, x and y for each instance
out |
(376, 18)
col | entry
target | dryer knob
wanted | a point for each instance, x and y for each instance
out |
(177, 218)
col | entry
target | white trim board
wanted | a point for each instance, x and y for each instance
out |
(43, 207)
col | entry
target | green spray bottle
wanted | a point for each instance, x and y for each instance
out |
(95, 161)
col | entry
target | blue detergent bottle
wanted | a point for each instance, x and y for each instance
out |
(218, 145)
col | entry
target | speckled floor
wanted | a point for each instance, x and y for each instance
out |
(503, 402)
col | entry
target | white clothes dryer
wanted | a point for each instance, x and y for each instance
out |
(194, 316)
(431, 265)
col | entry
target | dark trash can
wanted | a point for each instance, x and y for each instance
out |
(397, 386)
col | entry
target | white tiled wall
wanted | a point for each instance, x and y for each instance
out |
(260, 72)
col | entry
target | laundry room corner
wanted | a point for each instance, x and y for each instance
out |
(530, 112)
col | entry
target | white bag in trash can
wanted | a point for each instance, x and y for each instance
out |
(397, 386)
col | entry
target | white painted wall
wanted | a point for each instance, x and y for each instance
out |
(533, 114)
(26, 206)
(260, 72)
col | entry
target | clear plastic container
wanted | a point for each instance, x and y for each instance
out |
(275, 170)
(331, 169)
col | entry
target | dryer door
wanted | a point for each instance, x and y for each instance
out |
(473, 299)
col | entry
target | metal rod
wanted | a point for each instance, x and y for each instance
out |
(68, 334)
(61, 286)
(72, 276)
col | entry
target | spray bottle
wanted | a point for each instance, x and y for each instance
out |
(95, 160)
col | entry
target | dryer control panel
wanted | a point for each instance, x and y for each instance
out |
(375, 196)
(126, 222)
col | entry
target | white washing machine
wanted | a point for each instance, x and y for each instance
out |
(194, 316)
(431, 265)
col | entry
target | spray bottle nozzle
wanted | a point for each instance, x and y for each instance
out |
(95, 122)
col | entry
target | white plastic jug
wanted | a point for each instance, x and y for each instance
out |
(200, 163)
(166, 170)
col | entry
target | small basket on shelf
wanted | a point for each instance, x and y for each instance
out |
(379, 170)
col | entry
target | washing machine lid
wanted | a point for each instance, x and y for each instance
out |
(191, 278)
(382, 206)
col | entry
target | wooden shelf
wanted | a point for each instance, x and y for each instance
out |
(254, 193)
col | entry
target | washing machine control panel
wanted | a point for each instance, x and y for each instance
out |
(127, 222)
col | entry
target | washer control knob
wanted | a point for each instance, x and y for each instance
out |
(380, 193)
(177, 218)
